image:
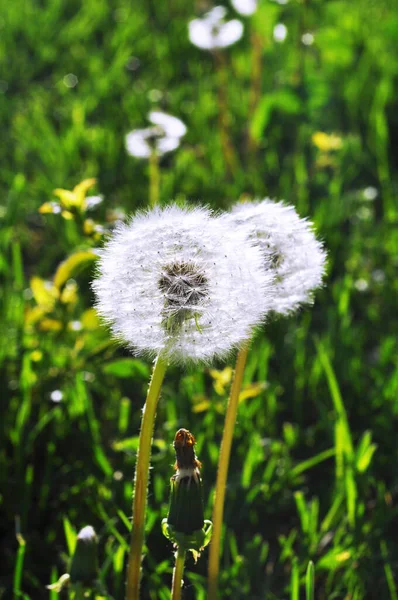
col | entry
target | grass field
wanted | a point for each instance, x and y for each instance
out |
(311, 119)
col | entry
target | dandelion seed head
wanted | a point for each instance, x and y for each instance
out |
(289, 247)
(164, 136)
(179, 282)
(87, 534)
(370, 193)
(212, 31)
(307, 39)
(280, 32)
(245, 7)
(171, 126)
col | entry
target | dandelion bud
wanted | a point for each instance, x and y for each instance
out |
(84, 566)
(186, 502)
(185, 524)
(288, 246)
(177, 281)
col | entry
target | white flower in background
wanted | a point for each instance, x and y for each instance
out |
(280, 32)
(245, 7)
(164, 136)
(179, 282)
(212, 31)
(93, 201)
(307, 39)
(289, 243)
(171, 126)
(87, 534)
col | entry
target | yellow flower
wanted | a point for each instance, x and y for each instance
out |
(69, 200)
(327, 142)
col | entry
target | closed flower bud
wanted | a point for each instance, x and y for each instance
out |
(84, 566)
(185, 525)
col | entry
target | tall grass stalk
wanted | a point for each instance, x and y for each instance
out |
(223, 464)
(141, 479)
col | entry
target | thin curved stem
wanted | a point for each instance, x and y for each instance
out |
(141, 479)
(154, 179)
(177, 574)
(223, 463)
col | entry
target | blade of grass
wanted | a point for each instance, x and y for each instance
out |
(388, 571)
(19, 562)
(310, 582)
(295, 581)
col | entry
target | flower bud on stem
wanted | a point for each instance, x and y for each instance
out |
(185, 525)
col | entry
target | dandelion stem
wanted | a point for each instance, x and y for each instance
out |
(177, 574)
(223, 463)
(256, 40)
(224, 118)
(141, 479)
(154, 179)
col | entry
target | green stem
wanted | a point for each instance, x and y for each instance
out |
(223, 463)
(256, 40)
(141, 479)
(154, 179)
(224, 118)
(177, 574)
(79, 592)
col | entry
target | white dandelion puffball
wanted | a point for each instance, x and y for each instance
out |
(245, 7)
(212, 31)
(164, 136)
(289, 244)
(87, 534)
(179, 282)
(280, 32)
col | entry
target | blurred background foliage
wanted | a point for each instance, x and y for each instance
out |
(312, 119)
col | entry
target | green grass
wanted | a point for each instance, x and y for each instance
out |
(313, 475)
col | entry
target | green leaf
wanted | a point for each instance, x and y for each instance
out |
(70, 535)
(72, 265)
(311, 462)
(127, 368)
(336, 397)
(283, 101)
(310, 582)
(334, 559)
(365, 452)
(295, 581)
(364, 461)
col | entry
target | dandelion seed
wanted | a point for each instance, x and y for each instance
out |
(179, 282)
(289, 245)
(56, 396)
(212, 31)
(307, 39)
(164, 136)
(70, 80)
(361, 285)
(93, 201)
(280, 32)
(370, 193)
(245, 7)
